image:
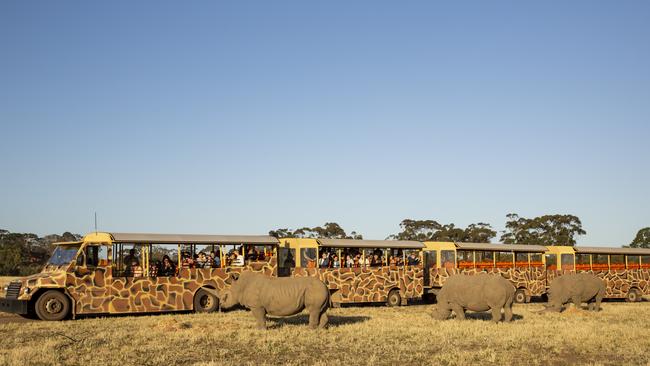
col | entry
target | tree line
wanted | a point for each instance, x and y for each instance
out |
(26, 253)
(547, 230)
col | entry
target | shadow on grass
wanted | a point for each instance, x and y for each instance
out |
(303, 319)
(487, 316)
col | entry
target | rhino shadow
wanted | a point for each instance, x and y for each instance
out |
(487, 316)
(303, 319)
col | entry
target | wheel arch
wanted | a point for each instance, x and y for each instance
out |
(31, 305)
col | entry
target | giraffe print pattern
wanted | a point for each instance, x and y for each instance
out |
(532, 280)
(368, 284)
(618, 282)
(97, 292)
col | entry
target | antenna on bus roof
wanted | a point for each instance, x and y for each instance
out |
(95, 222)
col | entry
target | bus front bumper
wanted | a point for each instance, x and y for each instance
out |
(13, 306)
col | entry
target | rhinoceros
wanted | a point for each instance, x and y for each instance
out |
(283, 296)
(576, 288)
(479, 292)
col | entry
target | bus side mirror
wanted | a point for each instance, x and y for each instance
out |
(80, 260)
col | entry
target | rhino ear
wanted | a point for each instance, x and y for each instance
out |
(232, 277)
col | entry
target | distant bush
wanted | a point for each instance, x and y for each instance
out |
(25, 253)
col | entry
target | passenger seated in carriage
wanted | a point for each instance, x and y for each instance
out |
(214, 259)
(236, 259)
(413, 259)
(335, 262)
(167, 268)
(201, 260)
(375, 261)
(187, 261)
(324, 261)
(349, 262)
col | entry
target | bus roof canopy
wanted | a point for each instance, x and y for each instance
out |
(192, 239)
(353, 243)
(502, 247)
(603, 250)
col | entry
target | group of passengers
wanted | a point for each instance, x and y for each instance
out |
(354, 259)
(212, 259)
(167, 267)
(235, 258)
(200, 260)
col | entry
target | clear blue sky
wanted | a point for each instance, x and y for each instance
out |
(241, 117)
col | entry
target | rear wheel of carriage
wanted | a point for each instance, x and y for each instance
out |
(633, 295)
(394, 298)
(205, 302)
(520, 296)
(52, 305)
(429, 298)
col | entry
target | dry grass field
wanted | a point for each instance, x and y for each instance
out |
(357, 335)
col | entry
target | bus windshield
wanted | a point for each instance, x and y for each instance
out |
(63, 254)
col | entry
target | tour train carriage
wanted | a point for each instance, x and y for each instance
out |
(532, 268)
(521, 264)
(387, 271)
(626, 271)
(111, 273)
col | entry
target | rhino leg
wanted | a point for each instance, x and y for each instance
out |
(460, 312)
(260, 317)
(507, 312)
(599, 298)
(314, 318)
(496, 314)
(323, 320)
(577, 301)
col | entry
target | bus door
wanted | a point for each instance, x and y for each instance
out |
(551, 266)
(92, 277)
(430, 257)
(286, 261)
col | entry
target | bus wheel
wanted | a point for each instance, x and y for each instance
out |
(633, 295)
(520, 296)
(429, 298)
(205, 302)
(394, 298)
(52, 305)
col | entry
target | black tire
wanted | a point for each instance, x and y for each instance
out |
(52, 305)
(633, 296)
(520, 296)
(394, 298)
(205, 302)
(29, 315)
(429, 298)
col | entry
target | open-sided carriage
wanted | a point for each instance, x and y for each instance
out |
(357, 271)
(523, 265)
(117, 273)
(626, 271)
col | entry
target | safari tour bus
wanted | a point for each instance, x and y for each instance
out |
(626, 271)
(520, 264)
(117, 273)
(357, 271)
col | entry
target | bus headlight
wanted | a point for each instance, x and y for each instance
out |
(27, 290)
